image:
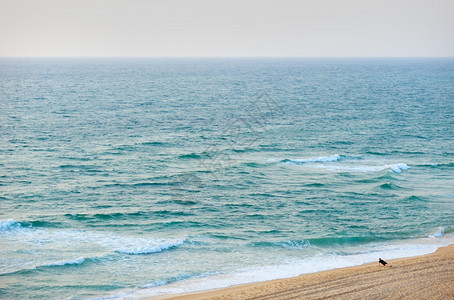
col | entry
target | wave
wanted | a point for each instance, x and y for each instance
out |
(175, 279)
(135, 185)
(316, 242)
(106, 242)
(154, 143)
(399, 167)
(43, 245)
(189, 156)
(48, 247)
(390, 186)
(339, 163)
(81, 167)
(106, 216)
(396, 168)
(292, 244)
(438, 165)
(179, 224)
(314, 184)
(442, 231)
(330, 158)
(77, 261)
(44, 265)
(12, 225)
(153, 249)
(9, 224)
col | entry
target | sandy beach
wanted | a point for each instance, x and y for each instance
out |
(424, 277)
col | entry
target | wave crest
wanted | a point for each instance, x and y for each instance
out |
(342, 163)
(77, 261)
(439, 233)
(9, 224)
(297, 161)
(290, 244)
(161, 246)
(396, 168)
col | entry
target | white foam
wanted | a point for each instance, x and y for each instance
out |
(399, 167)
(330, 158)
(78, 261)
(396, 168)
(339, 163)
(50, 247)
(34, 266)
(36, 238)
(8, 224)
(439, 233)
(156, 246)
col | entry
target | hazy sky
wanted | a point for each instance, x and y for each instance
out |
(226, 28)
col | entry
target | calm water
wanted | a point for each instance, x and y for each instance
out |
(133, 177)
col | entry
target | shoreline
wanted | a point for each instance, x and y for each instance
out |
(428, 276)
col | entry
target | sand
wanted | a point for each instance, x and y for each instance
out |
(424, 277)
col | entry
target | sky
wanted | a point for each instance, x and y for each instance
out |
(230, 28)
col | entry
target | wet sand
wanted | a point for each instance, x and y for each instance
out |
(423, 277)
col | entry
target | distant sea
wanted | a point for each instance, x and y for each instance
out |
(122, 178)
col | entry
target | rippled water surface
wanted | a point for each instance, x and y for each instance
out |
(133, 177)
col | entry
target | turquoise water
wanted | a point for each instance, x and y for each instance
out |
(133, 177)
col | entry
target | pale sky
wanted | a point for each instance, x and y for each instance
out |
(354, 28)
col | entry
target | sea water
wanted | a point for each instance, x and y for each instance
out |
(122, 178)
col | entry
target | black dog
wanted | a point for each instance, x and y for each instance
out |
(381, 261)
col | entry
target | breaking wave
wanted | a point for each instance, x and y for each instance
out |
(9, 224)
(299, 161)
(342, 163)
(396, 168)
(77, 261)
(153, 248)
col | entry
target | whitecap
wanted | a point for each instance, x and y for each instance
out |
(77, 261)
(155, 247)
(396, 168)
(399, 167)
(439, 233)
(330, 158)
(30, 266)
(8, 224)
(343, 163)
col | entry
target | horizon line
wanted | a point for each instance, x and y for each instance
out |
(230, 57)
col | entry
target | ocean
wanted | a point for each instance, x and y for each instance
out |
(133, 177)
